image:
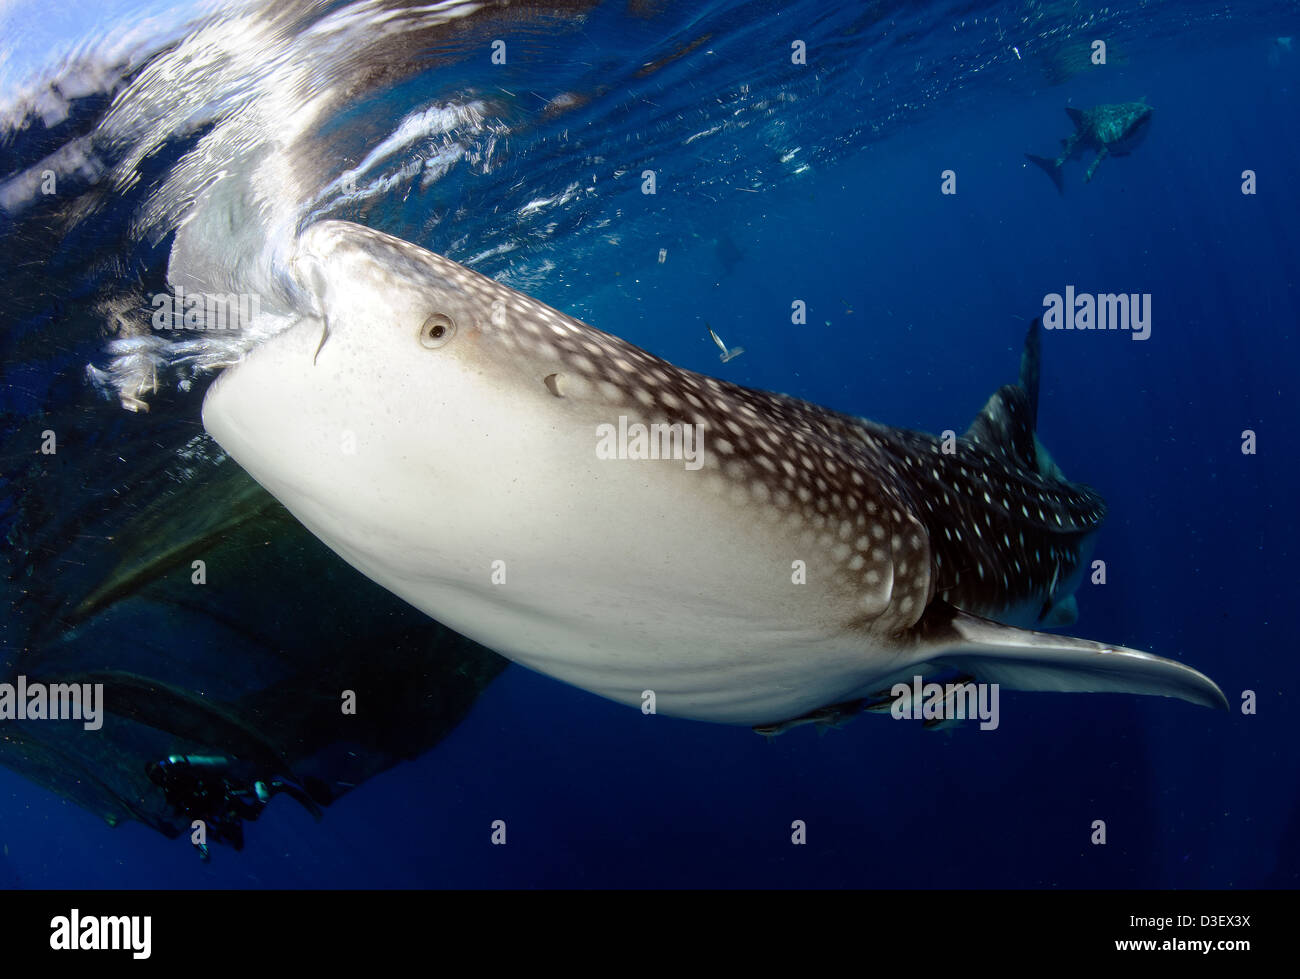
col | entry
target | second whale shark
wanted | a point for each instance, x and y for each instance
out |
(1108, 129)
(594, 512)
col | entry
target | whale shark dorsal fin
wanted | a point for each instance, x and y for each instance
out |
(1076, 116)
(1010, 416)
(1003, 425)
(1031, 368)
(1023, 660)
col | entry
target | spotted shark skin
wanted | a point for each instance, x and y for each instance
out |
(1108, 129)
(439, 431)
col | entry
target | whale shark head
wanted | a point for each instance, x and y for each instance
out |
(594, 512)
(394, 420)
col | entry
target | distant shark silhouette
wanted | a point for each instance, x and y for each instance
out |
(1109, 129)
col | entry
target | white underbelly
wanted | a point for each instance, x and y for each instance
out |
(712, 625)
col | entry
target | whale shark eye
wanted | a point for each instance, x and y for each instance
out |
(437, 330)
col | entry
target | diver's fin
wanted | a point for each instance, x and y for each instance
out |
(1092, 167)
(1022, 660)
(1076, 116)
(1051, 168)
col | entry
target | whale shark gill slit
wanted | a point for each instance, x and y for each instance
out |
(787, 560)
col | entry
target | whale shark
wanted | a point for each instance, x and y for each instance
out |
(744, 557)
(1108, 129)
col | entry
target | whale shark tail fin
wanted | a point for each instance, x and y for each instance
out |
(1051, 168)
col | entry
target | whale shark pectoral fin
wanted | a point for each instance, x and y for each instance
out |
(1051, 168)
(1023, 660)
(1092, 167)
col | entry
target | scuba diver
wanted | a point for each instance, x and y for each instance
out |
(213, 789)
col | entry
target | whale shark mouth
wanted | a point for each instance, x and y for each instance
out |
(442, 433)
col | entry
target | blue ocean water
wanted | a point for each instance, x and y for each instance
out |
(917, 304)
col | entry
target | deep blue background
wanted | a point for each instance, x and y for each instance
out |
(1200, 544)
